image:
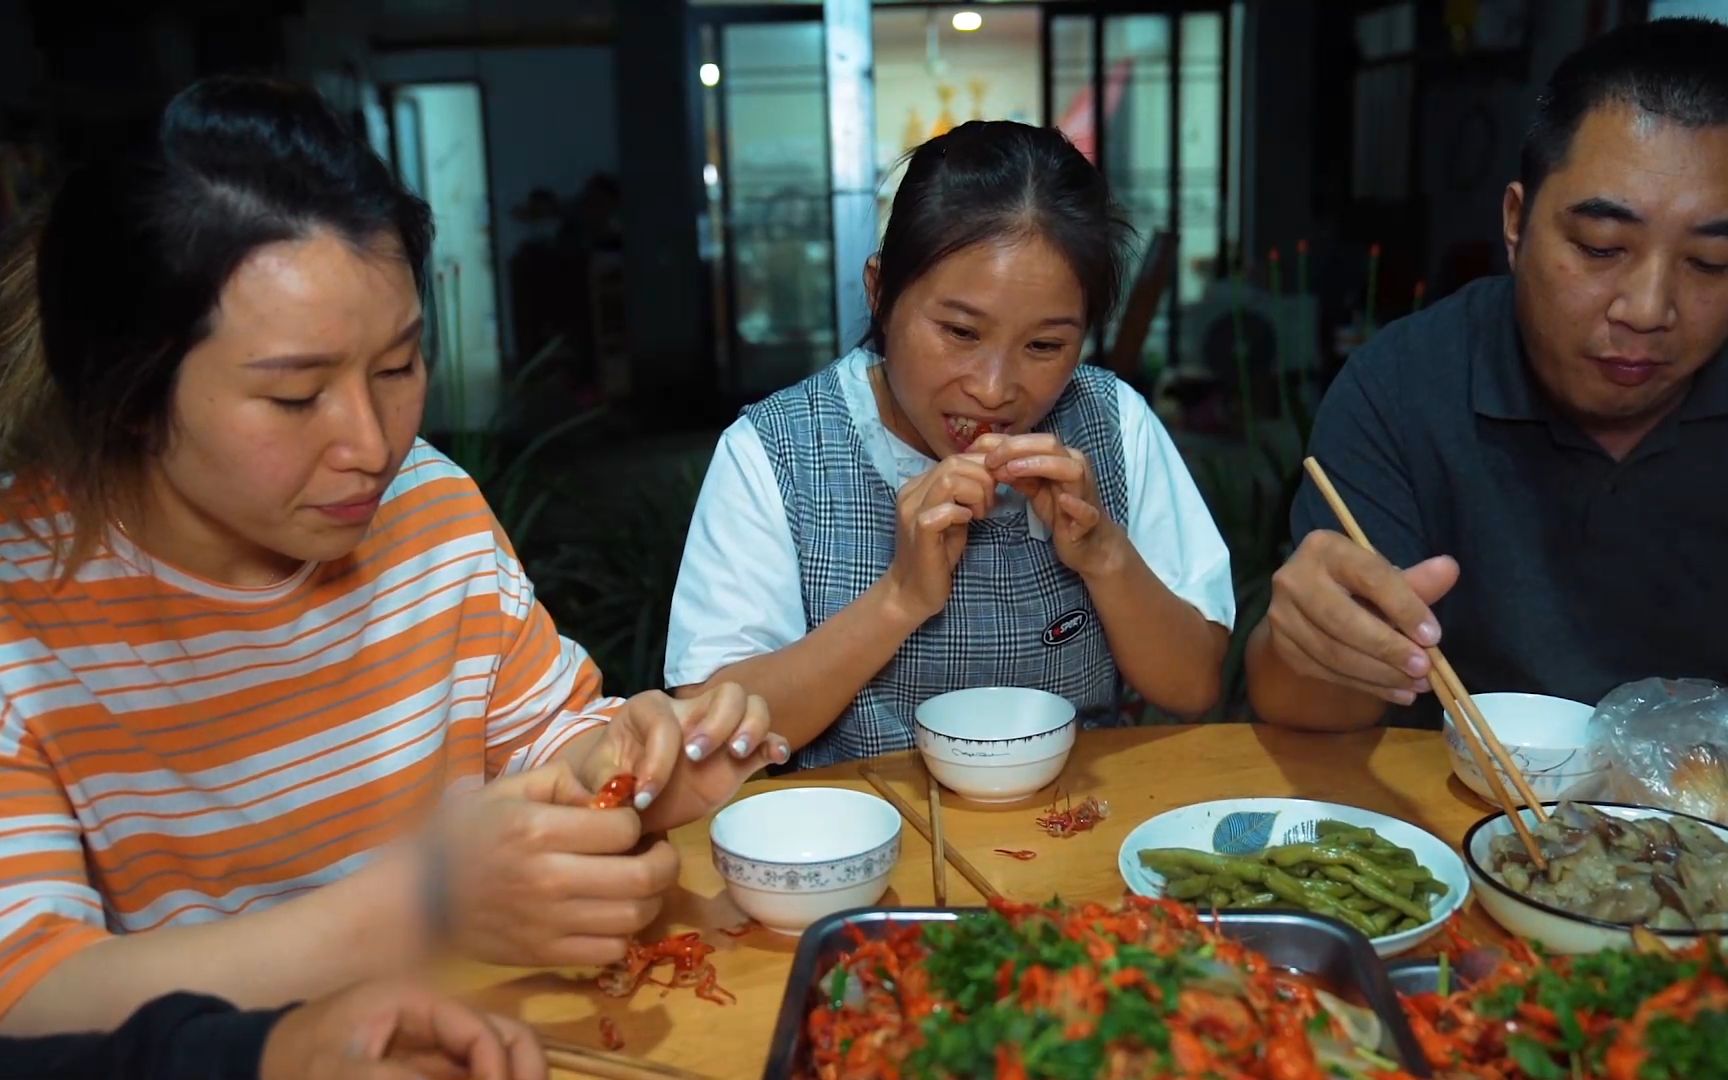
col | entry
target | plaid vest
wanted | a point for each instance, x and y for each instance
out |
(1015, 617)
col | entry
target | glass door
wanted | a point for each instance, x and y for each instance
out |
(1145, 96)
(771, 244)
(438, 137)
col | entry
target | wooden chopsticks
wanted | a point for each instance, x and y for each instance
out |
(938, 852)
(587, 1061)
(1456, 700)
(916, 820)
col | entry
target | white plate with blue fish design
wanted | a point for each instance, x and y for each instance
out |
(1246, 826)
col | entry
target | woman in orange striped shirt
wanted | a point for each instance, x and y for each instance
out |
(253, 632)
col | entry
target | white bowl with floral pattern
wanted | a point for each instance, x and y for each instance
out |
(1547, 738)
(794, 855)
(995, 744)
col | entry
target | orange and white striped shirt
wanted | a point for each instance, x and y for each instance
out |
(173, 751)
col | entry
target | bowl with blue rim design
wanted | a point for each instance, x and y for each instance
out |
(1548, 738)
(794, 855)
(995, 744)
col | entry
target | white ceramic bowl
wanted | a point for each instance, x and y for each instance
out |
(1244, 826)
(995, 744)
(1560, 931)
(1546, 736)
(794, 855)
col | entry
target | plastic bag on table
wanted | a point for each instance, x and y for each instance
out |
(1663, 743)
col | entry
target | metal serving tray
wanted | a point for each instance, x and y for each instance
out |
(1319, 946)
(1419, 976)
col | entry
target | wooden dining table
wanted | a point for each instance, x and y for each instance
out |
(1139, 772)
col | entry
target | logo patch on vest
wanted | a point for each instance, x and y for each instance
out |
(1066, 628)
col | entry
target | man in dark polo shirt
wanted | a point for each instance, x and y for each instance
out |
(1542, 459)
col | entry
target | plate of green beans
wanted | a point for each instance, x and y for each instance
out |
(1394, 882)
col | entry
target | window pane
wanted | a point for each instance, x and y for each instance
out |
(1202, 74)
(1137, 87)
(1071, 67)
(931, 77)
(773, 84)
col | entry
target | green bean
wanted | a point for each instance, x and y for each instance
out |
(1391, 899)
(1339, 834)
(1191, 887)
(1292, 890)
(1173, 861)
(1292, 854)
(1331, 828)
(1351, 873)
(1346, 835)
(1177, 862)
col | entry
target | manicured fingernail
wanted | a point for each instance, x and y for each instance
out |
(782, 754)
(1422, 686)
(1403, 697)
(1428, 634)
(1416, 666)
(697, 748)
(644, 798)
(741, 746)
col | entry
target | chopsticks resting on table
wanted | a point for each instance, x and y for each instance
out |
(587, 1061)
(1456, 700)
(938, 852)
(916, 820)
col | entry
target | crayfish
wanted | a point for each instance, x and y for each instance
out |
(616, 792)
(1073, 819)
(688, 955)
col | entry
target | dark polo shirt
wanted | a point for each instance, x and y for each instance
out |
(1579, 573)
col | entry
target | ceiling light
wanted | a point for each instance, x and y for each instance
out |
(709, 74)
(967, 21)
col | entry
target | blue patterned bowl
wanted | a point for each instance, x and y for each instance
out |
(794, 855)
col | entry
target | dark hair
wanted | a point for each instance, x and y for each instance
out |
(1676, 69)
(132, 258)
(990, 179)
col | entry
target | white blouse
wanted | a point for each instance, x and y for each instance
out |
(738, 593)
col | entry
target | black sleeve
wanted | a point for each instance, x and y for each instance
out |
(1356, 440)
(177, 1037)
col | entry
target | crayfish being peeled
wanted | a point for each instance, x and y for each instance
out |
(687, 953)
(616, 792)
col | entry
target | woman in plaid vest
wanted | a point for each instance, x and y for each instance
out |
(958, 502)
